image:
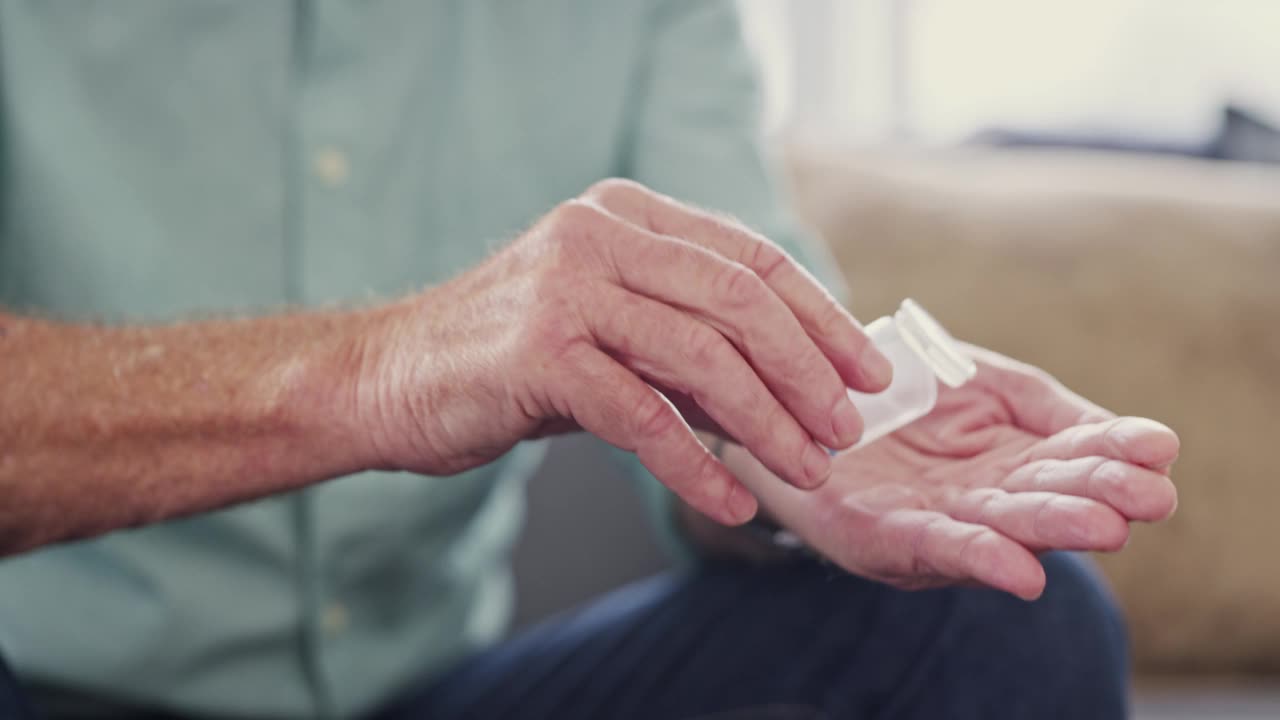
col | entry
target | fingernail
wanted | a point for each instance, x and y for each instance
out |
(876, 366)
(846, 423)
(817, 465)
(742, 506)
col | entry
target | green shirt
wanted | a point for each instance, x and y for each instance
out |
(163, 159)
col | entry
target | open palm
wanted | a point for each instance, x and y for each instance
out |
(1007, 466)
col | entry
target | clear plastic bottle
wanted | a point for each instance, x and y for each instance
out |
(922, 354)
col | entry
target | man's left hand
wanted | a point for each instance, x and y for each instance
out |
(1009, 465)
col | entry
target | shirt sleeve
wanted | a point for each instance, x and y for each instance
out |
(696, 137)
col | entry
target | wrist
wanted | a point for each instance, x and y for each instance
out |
(337, 397)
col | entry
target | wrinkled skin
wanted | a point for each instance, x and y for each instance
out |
(1007, 466)
(613, 311)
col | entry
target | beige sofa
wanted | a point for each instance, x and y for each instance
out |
(1149, 284)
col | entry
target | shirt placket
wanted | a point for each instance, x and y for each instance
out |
(326, 219)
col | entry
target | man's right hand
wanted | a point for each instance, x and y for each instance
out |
(632, 316)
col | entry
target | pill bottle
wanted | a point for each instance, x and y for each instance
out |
(922, 354)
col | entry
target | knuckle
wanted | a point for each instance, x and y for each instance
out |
(833, 319)
(1109, 479)
(804, 379)
(780, 424)
(574, 236)
(983, 501)
(977, 549)
(771, 426)
(792, 369)
(1041, 520)
(799, 444)
(1110, 442)
(764, 257)
(738, 287)
(614, 189)
(922, 546)
(653, 417)
(812, 373)
(705, 347)
(1041, 474)
(1079, 439)
(707, 470)
(578, 219)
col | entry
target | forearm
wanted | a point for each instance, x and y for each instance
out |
(102, 428)
(110, 427)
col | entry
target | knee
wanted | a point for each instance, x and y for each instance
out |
(1064, 655)
(956, 653)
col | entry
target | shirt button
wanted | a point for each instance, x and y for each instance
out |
(335, 618)
(330, 165)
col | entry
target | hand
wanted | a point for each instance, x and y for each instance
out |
(1009, 465)
(629, 315)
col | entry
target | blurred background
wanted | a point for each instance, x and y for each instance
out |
(1114, 165)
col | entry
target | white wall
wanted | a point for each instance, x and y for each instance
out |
(939, 69)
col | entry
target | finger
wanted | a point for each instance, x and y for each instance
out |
(610, 402)
(1136, 440)
(1135, 492)
(736, 302)
(692, 413)
(1044, 520)
(1037, 401)
(927, 542)
(680, 352)
(839, 336)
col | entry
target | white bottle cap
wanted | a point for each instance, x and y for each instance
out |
(934, 345)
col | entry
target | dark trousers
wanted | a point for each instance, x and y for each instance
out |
(803, 642)
(12, 703)
(795, 642)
